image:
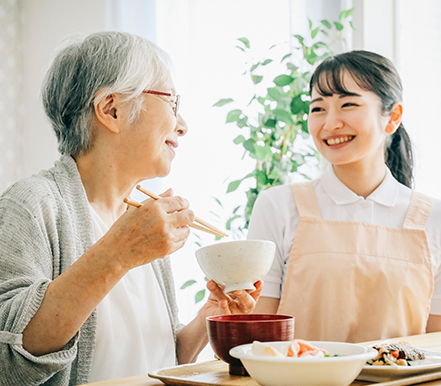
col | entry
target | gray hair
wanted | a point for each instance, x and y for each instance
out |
(87, 71)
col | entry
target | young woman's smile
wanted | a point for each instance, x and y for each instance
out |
(338, 140)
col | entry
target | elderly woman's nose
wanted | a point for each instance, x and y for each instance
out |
(181, 126)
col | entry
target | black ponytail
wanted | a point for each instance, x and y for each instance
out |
(372, 72)
(399, 157)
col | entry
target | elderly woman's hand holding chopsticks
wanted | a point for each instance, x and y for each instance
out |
(154, 230)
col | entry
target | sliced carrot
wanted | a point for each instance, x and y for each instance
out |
(300, 347)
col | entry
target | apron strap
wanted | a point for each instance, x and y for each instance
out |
(418, 212)
(306, 200)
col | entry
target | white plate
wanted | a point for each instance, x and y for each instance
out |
(387, 373)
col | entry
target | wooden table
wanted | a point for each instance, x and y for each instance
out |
(429, 341)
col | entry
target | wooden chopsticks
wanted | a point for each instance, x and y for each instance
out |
(205, 226)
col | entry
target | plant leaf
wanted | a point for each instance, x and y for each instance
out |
(230, 220)
(345, 14)
(200, 295)
(319, 45)
(283, 116)
(249, 145)
(239, 139)
(291, 67)
(305, 126)
(254, 66)
(310, 56)
(262, 152)
(188, 283)
(245, 41)
(297, 105)
(283, 80)
(218, 201)
(327, 24)
(310, 23)
(314, 32)
(232, 186)
(338, 25)
(261, 100)
(256, 78)
(352, 25)
(294, 166)
(233, 116)
(273, 93)
(242, 122)
(261, 177)
(223, 102)
(300, 39)
(285, 57)
(267, 61)
(270, 123)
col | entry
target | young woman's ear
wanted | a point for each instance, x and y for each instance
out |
(107, 113)
(395, 118)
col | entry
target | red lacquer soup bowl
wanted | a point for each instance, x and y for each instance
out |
(228, 331)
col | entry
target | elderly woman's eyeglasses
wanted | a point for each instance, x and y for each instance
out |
(176, 99)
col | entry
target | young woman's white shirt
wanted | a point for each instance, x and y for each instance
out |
(134, 334)
(275, 218)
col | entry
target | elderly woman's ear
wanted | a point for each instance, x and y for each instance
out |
(108, 113)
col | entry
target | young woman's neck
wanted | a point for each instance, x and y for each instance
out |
(361, 178)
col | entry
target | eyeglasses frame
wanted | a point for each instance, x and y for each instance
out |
(176, 101)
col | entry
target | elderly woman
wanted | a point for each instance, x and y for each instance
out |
(86, 293)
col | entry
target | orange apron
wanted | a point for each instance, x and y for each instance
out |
(355, 282)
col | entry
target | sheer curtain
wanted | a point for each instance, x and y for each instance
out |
(419, 66)
(11, 107)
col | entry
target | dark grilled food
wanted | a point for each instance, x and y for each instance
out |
(396, 354)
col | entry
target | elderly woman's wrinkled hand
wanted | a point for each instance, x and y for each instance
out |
(237, 302)
(155, 230)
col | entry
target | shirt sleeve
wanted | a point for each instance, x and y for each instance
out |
(26, 269)
(433, 231)
(435, 305)
(268, 223)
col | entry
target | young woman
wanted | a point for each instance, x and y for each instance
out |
(358, 251)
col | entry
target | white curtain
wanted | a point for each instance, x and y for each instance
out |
(419, 65)
(11, 80)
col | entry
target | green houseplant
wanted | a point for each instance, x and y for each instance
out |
(274, 124)
(274, 136)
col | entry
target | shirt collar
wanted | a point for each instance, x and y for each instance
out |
(386, 194)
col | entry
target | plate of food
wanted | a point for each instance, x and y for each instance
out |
(397, 360)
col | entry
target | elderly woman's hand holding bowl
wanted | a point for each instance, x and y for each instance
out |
(86, 290)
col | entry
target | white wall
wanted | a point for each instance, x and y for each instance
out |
(45, 24)
(375, 22)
